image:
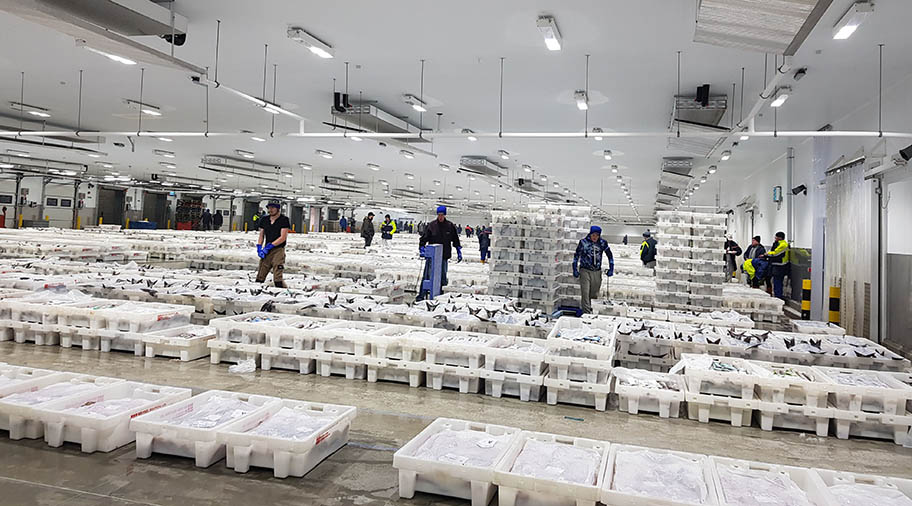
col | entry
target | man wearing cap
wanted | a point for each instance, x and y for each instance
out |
(443, 232)
(587, 266)
(648, 250)
(271, 245)
(367, 229)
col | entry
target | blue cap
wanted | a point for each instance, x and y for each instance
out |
(275, 205)
(441, 209)
(595, 230)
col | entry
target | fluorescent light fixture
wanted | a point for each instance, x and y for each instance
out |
(288, 174)
(162, 152)
(544, 177)
(229, 175)
(165, 183)
(165, 139)
(416, 103)
(582, 101)
(850, 21)
(305, 166)
(373, 166)
(712, 169)
(548, 28)
(355, 138)
(349, 175)
(566, 190)
(614, 169)
(406, 153)
(470, 137)
(597, 133)
(115, 173)
(458, 188)
(33, 110)
(527, 168)
(16, 152)
(703, 179)
(619, 178)
(432, 192)
(444, 167)
(258, 139)
(384, 182)
(782, 94)
(244, 154)
(315, 45)
(93, 155)
(556, 184)
(110, 56)
(471, 177)
(68, 173)
(696, 187)
(150, 111)
(167, 165)
(744, 137)
(726, 155)
(503, 154)
(272, 108)
(436, 182)
(409, 175)
(607, 154)
(410, 187)
(476, 192)
(4, 165)
(324, 154)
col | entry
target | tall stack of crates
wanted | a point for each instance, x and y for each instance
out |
(689, 265)
(532, 252)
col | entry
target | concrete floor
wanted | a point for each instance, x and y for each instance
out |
(361, 473)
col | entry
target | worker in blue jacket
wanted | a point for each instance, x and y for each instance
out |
(587, 266)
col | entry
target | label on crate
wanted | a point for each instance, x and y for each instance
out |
(147, 410)
(322, 437)
(167, 316)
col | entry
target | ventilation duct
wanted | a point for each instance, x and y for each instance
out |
(228, 162)
(106, 25)
(528, 185)
(764, 26)
(406, 193)
(366, 117)
(480, 165)
(700, 146)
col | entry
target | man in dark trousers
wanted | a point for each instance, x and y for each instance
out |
(779, 262)
(732, 252)
(484, 242)
(206, 220)
(648, 250)
(367, 229)
(587, 266)
(754, 251)
(443, 232)
(217, 220)
(271, 245)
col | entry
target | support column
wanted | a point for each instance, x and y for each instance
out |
(16, 207)
(76, 204)
(43, 201)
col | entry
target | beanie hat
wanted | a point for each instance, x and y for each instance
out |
(275, 205)
(594, 229)
(441, 209)
(647, 234)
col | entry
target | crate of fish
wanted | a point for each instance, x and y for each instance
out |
(712, 255)
(100, 421)
(646, 362)
(18, 406)
(462, 349)
(743, 482)
(866, 391)
(574, 337)
(402, 342)
(11, 376)
(674, 240)
(854, 489)
(518, 355)
(188, 342)
(290, 437)
(853, 352)
(249, 328)
(815, 327)
(464, 379)
(191, 428)
(792, 384)
(453, 458)
(709, 220)
(711, 266)
(499, 384)
(298, 334)
(639, 390)
(578, 393)
(351, 338)
(395, 371)
(638, 476)
(550, 469)
(673, 274)
(718, 376)
(142, 317)
(675, 217)
(779, 415)
(646, 338)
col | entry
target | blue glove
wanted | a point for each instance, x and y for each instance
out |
(458, 255)
(267, 249)
(575, 272)
(421, 250)
(260, 252)
(610, 272)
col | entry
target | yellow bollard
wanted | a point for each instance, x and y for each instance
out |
(245, 227)
(234, 227)
(324, 228)
(292, 227)
(806, 299)
(47, 218)
(127, 225)
(100, 219)
(169, 224)
(78, 222)
(835, 295)
(305, 228)
(20, 221)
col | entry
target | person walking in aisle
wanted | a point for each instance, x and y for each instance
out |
(343, 224)
(367, 229)
(648, 250)
(443, 232)
(732, 252)
(271, 245)
(206, 220)
(624, 240)
(469, 230)
(779, 261)
(587, 266)
(387, 229)
(217, 220)
(484, 242)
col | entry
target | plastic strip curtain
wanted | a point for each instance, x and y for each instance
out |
(847, 248)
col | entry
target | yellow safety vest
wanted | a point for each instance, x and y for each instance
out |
(749, 268)
(781, 249)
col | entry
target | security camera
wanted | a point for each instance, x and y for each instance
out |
(906, 154)
(799, 189)
(120, 144)
(381, 144)
(179, 38)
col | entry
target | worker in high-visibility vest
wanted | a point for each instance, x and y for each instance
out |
(779, 261)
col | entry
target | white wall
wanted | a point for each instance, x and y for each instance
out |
(899, 209)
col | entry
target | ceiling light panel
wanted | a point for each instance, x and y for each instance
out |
(548, 29)
(315, 45)
(850, 21)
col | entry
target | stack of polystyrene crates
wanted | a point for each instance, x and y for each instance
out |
(580, 356)
(532, 252)
(689, 268)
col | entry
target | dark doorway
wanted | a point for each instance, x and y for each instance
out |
(250, 209)
(111, 206)
(297, 218)
(155, 208)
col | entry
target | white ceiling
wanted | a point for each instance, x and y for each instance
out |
(632, 45)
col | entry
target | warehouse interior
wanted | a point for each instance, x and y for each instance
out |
(419, 253)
